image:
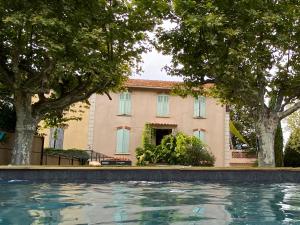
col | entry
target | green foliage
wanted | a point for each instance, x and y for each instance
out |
(232, 44)
(197, 155)
(56, 53)
(168, 150)
(7, 116)
(294, 126)
(147, 153)
(278, 146)
(249, 49)
(176, 150)
(70, 153)
(291, 155)
(245, 125)
(292, 149)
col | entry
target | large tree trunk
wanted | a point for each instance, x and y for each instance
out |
(266, 136)
(25, 129)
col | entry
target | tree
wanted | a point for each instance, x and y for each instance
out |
(56, 53)
(292, 149)
(249, 49)
(294, 126)
(278, 146)
(245, 125)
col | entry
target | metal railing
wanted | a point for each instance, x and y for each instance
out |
(96, 156)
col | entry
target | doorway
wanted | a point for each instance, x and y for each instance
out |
(160, 133)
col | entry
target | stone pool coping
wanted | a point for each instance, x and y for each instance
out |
(158, 173)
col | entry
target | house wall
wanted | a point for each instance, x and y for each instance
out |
(76, 133)
(143, 110)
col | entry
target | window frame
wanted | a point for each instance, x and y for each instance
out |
(124, 103)
(163, 106)
(200, 134)
(200, 107)
(123, 141)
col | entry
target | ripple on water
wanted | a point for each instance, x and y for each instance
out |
(149, 203)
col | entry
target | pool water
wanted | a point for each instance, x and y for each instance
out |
(147, 203)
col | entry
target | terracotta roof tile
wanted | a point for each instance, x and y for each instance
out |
(155, 84)
(151, 83)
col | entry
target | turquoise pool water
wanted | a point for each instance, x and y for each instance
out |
(147, 203)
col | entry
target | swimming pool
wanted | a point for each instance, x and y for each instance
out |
(149, 203)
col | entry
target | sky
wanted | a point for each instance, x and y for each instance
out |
(153, 63)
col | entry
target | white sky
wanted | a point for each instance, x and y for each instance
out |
(153, 67)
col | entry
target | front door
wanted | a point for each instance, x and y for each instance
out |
(160, 133)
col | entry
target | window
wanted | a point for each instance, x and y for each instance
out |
(199, 106)
(122, 141)
(162, 105)
(125, 103)
(200, 134)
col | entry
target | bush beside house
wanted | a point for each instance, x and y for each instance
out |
(292, 151)
(178, 149)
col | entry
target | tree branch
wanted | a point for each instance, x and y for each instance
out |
(287, 100)
(38, 76)
(68, 98)
(289, 111)
(279, 101)
(6, 76)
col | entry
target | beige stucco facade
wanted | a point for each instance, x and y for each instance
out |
(76, 132)
(98, 129)
(143, 110)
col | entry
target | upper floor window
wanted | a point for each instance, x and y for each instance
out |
(200, 106)
(122, 141)
(200, 134)
(125, 103)
(162, 105)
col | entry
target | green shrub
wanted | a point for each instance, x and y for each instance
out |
(167, 150)
(292, 151)
(175, 150)
(197, 154)
(291, 157)
(146, 156)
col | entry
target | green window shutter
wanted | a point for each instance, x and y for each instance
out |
(202, 100)
(162, 105)
(122, 104)
(196, 107)
(165, 105)
(202, 135)
(125, 141)
(127, 103)
(159, 105)
(122, 141)
(119, 141)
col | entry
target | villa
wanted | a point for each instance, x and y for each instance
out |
(114, 127)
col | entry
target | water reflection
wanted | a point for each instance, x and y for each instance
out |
(149, 203)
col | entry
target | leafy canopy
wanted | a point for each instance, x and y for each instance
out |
(248, 48)
(63, 51)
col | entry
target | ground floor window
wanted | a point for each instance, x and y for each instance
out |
(200, 134)
(122, 141)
